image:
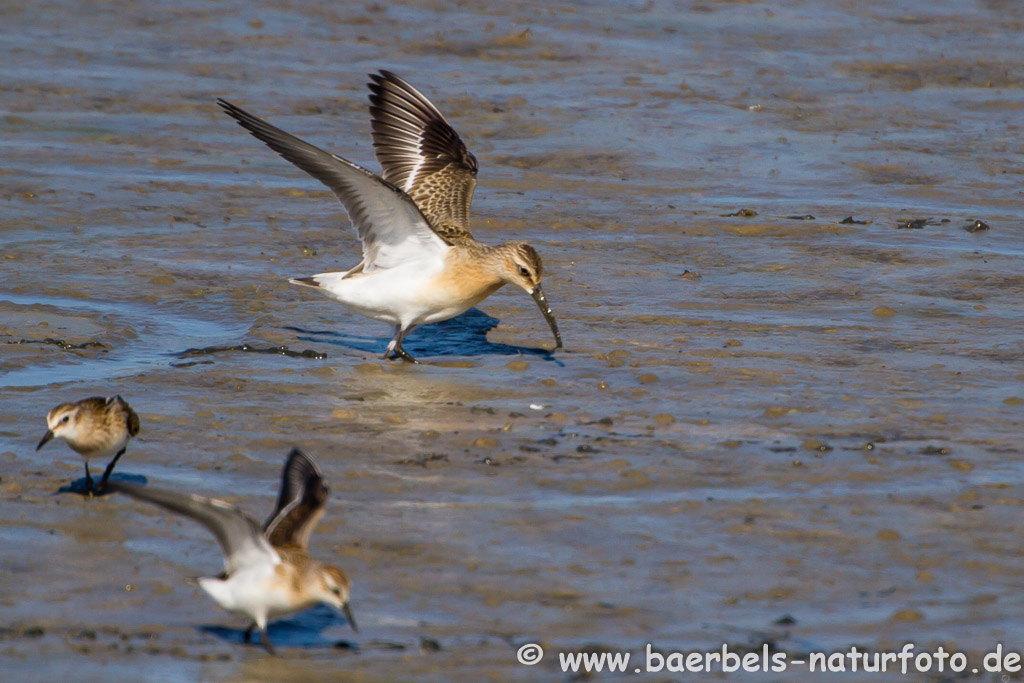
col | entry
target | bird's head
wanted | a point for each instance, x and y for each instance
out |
(62, 423)
(522, 266)
(334, 591)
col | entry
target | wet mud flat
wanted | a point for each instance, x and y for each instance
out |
(765, 428)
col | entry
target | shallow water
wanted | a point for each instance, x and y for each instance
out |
(755, 417)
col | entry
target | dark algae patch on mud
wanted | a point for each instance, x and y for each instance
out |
(246, 348)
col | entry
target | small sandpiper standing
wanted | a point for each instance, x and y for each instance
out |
(94, 427)
(420, 263)
(268, 571)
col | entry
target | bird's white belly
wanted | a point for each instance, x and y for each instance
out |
(406, 295)
(252, 592)
(103, 451)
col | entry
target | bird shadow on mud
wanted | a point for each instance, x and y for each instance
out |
(464, 335)
(303, 630)
(77, 486)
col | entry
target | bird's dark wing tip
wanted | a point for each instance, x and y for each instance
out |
(134, 424)
(377, 80)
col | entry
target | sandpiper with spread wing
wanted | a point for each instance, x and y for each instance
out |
(96, 427)
(421, 264)
(268, 571)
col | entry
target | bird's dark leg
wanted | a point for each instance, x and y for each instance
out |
(395, 345)
(247, 636)
(88, 480)
(110, 468)
(392, 343)
(266, 641)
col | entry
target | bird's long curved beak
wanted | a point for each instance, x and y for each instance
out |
(347, 611)
(542, 304)
(46, 437)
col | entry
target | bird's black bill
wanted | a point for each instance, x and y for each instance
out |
(542, 304)
(347, 611)
(46, 437)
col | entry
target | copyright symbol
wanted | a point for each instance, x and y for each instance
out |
(530, 654)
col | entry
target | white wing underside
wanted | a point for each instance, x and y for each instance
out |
(238, 534)
(390, 226)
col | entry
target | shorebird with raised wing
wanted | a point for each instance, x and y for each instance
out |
(421, 264)
(96, 427)
(268, 571)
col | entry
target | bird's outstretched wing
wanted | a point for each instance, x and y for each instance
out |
(390, 226)
(421, 153)
(239, 535)
(300, 504)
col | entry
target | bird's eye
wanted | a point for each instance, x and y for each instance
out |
(336, 591)
(65, 418)
(524, 271)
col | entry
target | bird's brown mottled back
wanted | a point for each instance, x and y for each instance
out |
(422, 154)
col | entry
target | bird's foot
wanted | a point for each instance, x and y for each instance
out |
(404, 355)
